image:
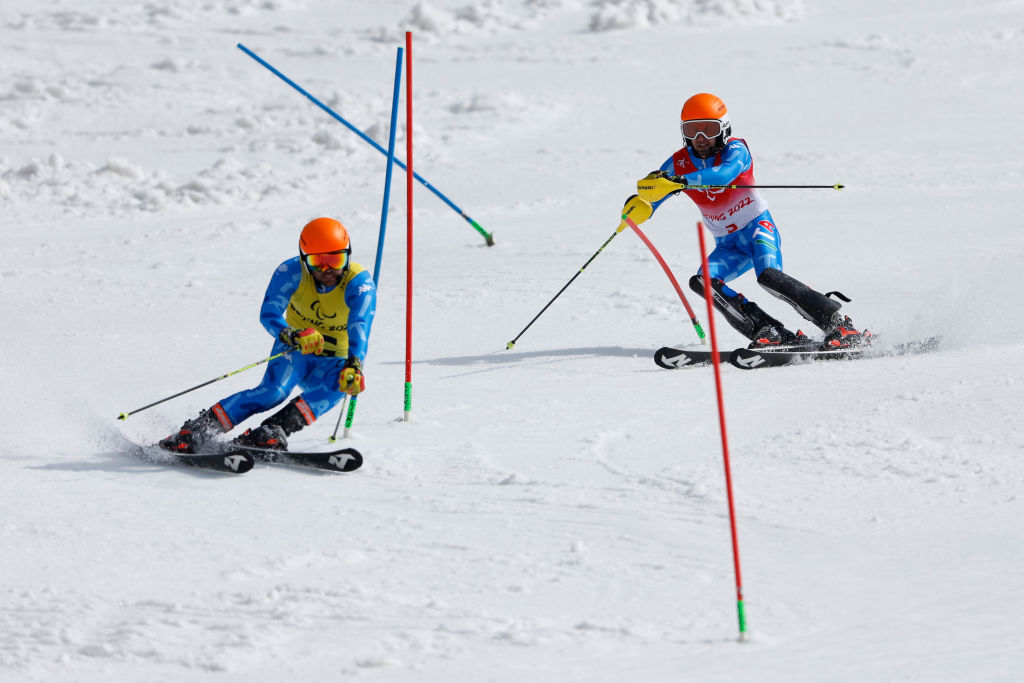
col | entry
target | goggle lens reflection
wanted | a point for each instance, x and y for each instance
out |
(336, 260)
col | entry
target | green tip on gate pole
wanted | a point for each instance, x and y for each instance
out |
(742, 613)
(488, 236)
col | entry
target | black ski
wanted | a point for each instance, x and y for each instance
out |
(670, 358)
(751, 359)
(231, 461)
(341, 460)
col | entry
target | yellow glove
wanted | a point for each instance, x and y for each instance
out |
(351, 379)
(306, 341)
(657, 185)
(636, 210)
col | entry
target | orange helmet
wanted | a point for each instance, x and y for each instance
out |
(705, 114)
(323, 235)
(324, 243)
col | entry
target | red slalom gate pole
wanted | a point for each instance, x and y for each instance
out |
(671, 277)
(741, 612)
(408, 226)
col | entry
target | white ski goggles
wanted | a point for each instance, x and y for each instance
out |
(709, 128)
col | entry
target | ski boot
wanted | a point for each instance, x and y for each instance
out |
(269, 436)
(774, 336)
(843, 335)
(273, 432)
(193, 434)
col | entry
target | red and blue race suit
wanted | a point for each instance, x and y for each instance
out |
(745, 235)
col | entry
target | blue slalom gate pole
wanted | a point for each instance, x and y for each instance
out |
(476, 226)
(383, 220)
(391, 162)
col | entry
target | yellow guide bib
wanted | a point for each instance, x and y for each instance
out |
(323, 311)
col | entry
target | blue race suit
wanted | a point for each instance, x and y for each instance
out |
(295, 299)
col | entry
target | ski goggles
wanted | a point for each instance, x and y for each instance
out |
(334, 260)
(709, 128)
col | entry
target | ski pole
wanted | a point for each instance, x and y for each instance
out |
(837, 186)
(658, 185)
(124, 416)
(349, 416)
(344, 402)
(366, 138)
(617, 231)
(671, 277)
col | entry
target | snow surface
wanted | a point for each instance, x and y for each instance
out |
(552, 513)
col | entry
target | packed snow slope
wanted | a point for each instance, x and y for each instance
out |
(556, 512)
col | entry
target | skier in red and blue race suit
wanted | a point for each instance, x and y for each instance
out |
(745, 233)
(321, 304)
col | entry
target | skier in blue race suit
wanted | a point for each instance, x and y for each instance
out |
(746, 236)
(320, 306)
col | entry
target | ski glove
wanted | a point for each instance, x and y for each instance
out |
(636, 210)
(306, 341)
(351, 379)
(657, 185)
